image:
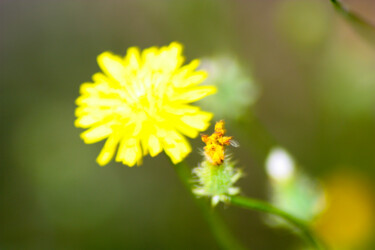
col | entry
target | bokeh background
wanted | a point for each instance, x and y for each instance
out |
(291, 73)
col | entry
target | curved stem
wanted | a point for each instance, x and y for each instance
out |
(261, 142)
(219, 230)
(360, 25)
(257, 205)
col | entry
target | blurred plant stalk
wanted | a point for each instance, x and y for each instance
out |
(365, 29)
(218, 228)
(261, 144)
(257, 205)
(216, 176)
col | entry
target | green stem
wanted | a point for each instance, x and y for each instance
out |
(360, 25)
(257, 205)
(261, 142)
(217, 226)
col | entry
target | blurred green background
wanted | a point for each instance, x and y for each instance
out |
(314, 79)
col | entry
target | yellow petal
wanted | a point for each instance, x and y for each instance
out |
(185, 78)
(199, 121)
(97, 101)
(194, 94)
(94, 111)
(109, 149)
(176, 47)
(154, 145)
(129, 152)
(100, 78)
(169, 57)
(87, 121)
(87, 88)
(96, 134)
(187, 130)
(196, 77)
(133, 58)
(149, 57)
(112, 65)
(176, 146)
(181, 109)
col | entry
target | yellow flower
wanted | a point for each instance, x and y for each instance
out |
(141, 103)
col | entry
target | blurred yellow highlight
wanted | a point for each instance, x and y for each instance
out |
(347, 221)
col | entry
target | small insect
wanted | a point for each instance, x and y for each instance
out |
(234, 143)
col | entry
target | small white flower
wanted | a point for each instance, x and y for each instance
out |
(280, 165)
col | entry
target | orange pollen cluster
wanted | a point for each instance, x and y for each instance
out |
(215, 144)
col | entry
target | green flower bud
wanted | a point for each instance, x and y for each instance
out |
(216, 181)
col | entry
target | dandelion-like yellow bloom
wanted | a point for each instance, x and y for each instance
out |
(141, 104)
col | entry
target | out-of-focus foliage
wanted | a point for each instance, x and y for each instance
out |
(347, 81)
(303, 22)
(340, 210)
(291, 190)
(45, 160)
(237, 90)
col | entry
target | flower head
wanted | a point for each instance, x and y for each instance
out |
(216, 175)
(215, 144)
(141, 103)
